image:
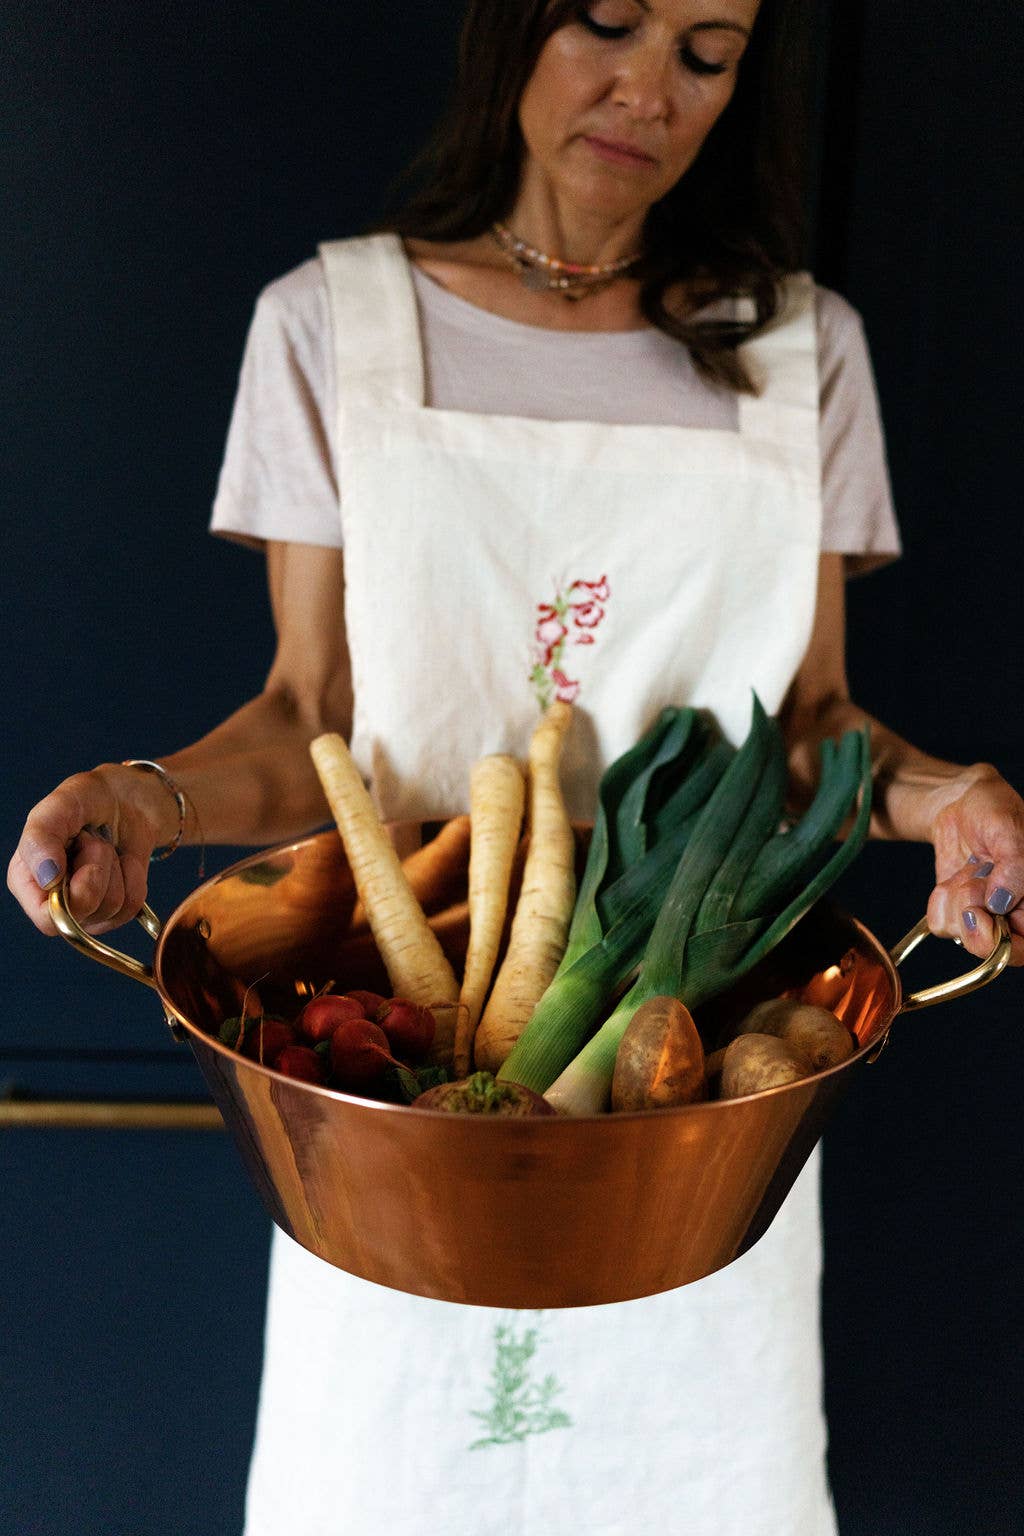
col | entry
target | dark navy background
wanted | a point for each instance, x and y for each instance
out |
(159, 165)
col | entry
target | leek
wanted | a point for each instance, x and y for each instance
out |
(633, 854)
(618, 836)
(705, 938)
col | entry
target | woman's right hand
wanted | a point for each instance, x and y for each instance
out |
(103, 824)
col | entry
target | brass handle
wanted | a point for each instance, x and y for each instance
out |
(69, 928)
(945, 991)
(101, 1114)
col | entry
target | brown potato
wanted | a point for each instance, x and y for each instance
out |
(753, 1063)
(812, 1034)
(818, 1037)
(660, 1061)
(768, 1017)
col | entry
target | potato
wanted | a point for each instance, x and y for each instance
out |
(818, 1037)
(812, 1034)
(768, 1017)
(660, 1060)
(753, 1063)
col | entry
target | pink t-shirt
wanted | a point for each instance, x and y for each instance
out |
(279, 480)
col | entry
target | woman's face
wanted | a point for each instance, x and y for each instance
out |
(623, 96)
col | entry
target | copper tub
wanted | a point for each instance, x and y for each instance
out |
(494, 1212)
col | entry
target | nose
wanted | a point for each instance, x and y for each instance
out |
(643, 83)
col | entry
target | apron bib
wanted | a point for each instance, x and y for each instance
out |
(494, 563)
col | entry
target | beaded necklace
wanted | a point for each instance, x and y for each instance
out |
(549, 274)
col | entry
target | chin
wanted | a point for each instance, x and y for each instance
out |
(607, 197)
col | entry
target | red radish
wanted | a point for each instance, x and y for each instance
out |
(320, 1018)
(360, 1054)
(301, 1061)
(266, 1039)
(369, 1001)
(408, 1026)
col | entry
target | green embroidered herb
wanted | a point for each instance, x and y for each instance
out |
(542, 686)
(519, 1406)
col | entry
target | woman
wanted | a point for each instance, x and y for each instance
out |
(590, 436)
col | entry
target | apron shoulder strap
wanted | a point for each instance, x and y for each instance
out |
(784, 362)
(374, 318)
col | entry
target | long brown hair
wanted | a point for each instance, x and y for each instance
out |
(731, 227)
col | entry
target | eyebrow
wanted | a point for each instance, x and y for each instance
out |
(707, 26)
(720, 26)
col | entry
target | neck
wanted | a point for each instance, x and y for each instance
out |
(571, 233)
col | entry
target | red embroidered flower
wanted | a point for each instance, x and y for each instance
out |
(587, 615)
(550, 634)
(566, 688)
(571, 619)
(599, 590)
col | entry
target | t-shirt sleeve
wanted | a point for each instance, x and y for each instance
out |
(278, 479)
(858, 519)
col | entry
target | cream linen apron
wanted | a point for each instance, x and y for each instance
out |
(493, 563)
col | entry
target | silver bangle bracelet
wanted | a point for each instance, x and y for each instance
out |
(148, 766)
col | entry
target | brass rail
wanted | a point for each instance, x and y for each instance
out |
(109, 1115)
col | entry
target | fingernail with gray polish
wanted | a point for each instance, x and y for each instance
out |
(47, 872)
(969, 920)
(1000, 901)
(984, 870)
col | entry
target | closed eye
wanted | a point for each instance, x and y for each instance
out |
(699, 66)
(598, 29)
(691, 61)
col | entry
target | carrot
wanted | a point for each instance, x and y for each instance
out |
(541, 923)
(497, 794)
(416, 965)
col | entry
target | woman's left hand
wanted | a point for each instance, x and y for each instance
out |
(979, 864)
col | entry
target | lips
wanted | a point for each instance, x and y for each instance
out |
(619, 151)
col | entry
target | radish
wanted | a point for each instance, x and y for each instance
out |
(359, 1054)
(321, 1017)
(409, 1028)
(301, 1061)
(368, 1001)
(266, 1039)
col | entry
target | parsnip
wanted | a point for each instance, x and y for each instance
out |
(541, 923)
(416, 965)
(497, 795)
(436, 870)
